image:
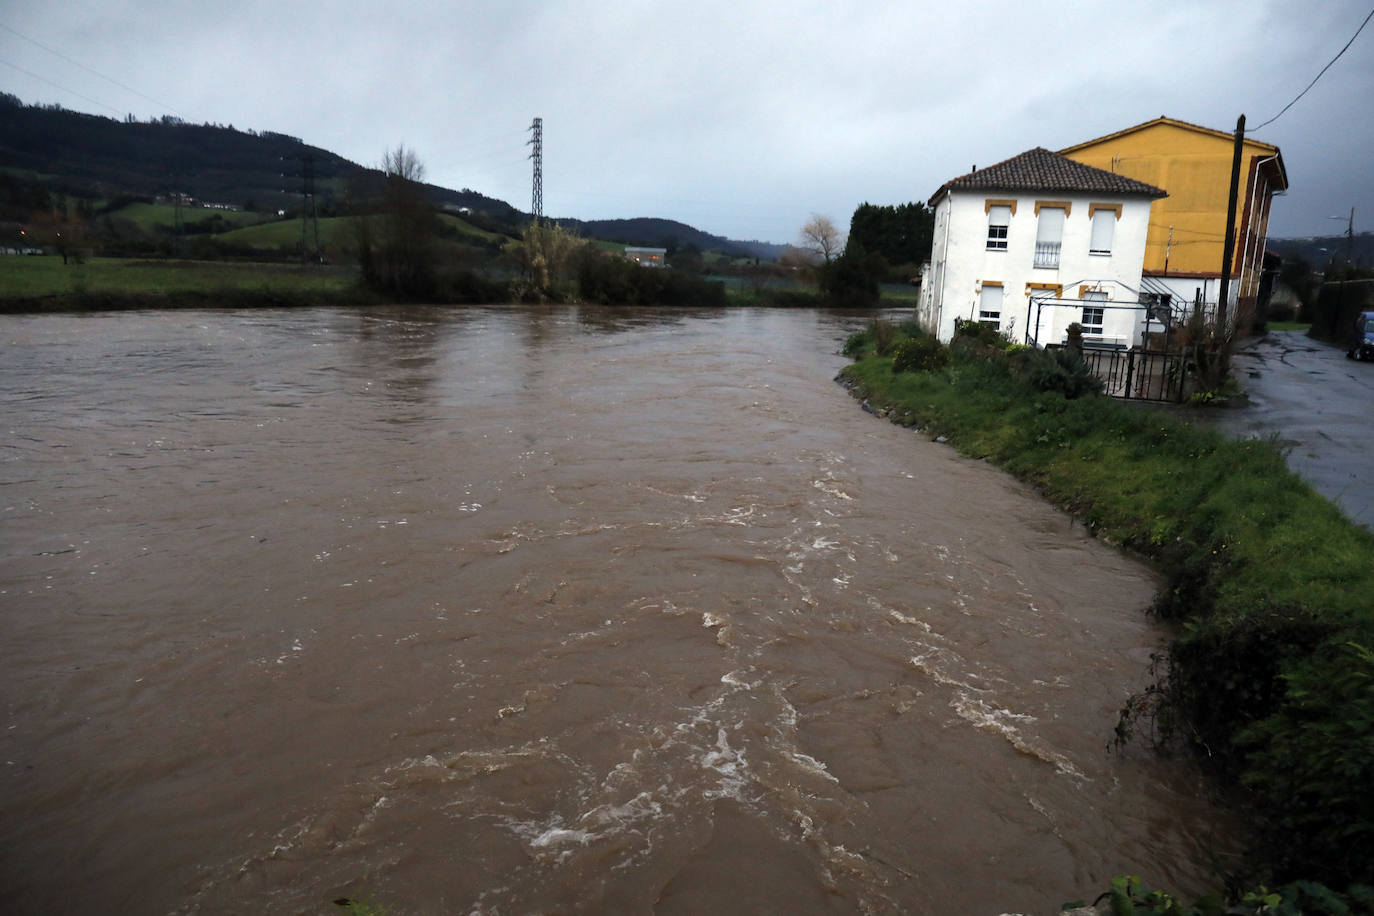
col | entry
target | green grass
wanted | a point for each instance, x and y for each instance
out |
(1273, 588)
(1289, 326)
(149, 217)
(27, 277)
(286, 233)
(466, 228)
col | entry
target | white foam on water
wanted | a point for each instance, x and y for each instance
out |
(807, 762)
(910, 621)
(731, 765)
(735, 679)
(557, 836)
(931, 669)
(827, 486)
(998, 721)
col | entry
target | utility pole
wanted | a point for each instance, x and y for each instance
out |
(1350, 238)
(537, 154)
(1230, 246)
(308, 211)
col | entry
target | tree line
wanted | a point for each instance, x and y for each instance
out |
(885, 243)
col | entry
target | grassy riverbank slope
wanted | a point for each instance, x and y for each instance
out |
(45, 284)
(1271, 675)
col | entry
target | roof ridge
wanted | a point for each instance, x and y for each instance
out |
(1040, 169)
(1177, 122)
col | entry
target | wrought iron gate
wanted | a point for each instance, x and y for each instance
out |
(1144, 375)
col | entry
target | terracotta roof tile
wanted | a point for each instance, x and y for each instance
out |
(1042, 170)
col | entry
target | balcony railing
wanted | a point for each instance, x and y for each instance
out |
(1047, 254)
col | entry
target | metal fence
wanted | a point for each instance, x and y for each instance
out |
(1144, 375)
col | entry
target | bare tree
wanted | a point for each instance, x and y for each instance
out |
(396, 233)
(820, 235)
(403, 163)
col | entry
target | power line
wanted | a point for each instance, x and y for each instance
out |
(78, 63)
(57, 86)
(1318, 76)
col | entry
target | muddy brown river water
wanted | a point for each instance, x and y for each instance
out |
(523, 610)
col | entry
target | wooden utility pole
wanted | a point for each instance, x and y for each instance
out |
(1230, 246)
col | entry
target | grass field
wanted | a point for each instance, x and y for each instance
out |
(286, 233)
(29, 277)
(149, 217)
(466, 228)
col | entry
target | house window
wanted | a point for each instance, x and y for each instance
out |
(999, 218)
(1104, 225)
(1093, 314)
(990, 305)
(1049, 233)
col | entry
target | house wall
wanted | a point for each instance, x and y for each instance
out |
(1194, 165)
(961, 264)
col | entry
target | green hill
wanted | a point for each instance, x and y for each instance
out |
(113, 173)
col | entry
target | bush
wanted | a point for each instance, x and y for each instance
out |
(976, 332)
(1060, 370)
(851, 280)
(919, 354)
(885, 334)
(616, 281)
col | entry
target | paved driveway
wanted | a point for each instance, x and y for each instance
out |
(1319, 404)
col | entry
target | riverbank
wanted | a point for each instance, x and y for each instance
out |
(1271, 677)
(39, 284)
(45, 284)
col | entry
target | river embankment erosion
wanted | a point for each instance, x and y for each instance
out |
(1270, 676)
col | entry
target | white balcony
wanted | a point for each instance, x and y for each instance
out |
(1047, 254)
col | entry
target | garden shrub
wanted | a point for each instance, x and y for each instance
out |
(1060, 370)
(919, 354)
(884, 334)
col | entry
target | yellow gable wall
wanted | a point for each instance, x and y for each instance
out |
(1195, 168)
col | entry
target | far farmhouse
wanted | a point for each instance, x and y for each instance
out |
(1035, 243)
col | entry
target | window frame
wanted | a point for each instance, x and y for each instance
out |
(999, 233)
(1097, 218)
(985, 314)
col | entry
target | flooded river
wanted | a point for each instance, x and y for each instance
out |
(543, 610)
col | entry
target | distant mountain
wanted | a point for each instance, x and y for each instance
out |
(667, 233)
(1320, 251)
(87, 155)
(91, 156)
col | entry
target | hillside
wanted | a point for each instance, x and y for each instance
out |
(49, 149)
(1322, 251)
(666, 233)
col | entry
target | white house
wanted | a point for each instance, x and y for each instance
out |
(1035, 243)
(647, 257)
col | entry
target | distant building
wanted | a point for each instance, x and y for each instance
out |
(647, 257)
(1183, 251)
(1035, 243)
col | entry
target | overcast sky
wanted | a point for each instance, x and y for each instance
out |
(739, 117)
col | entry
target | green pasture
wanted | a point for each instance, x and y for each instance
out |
(29, 277)
(150, 217)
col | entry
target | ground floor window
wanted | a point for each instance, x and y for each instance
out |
(1092, 319)
(990, 305)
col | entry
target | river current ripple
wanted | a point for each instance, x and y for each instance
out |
(564, 609)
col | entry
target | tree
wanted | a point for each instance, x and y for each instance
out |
(549, 253)
(395, 232)
(901, 234)
(851, 280)
(820, 236)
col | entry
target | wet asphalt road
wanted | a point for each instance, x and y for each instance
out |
(1319, 404)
